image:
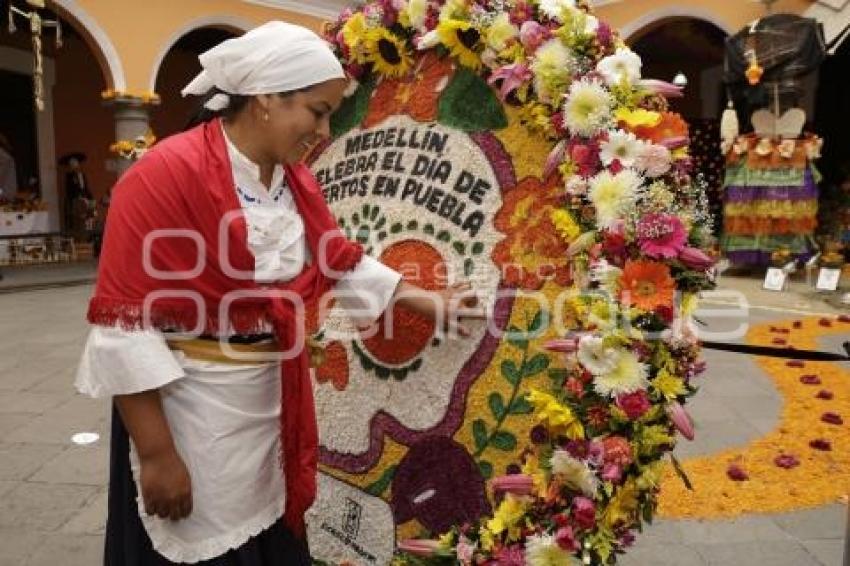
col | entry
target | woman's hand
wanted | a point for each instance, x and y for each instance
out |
(450, 306)
(166, 485)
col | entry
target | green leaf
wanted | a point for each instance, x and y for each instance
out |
(396, 228)
(539, 322)
(417, 363)
(366, 210)
(469, 104)
(517, 337)
(374, 214)
(352, 110)
(412, 225)
(382, 235)
(379, 486)
(428, 229)
(444, 236)
(341, 222)
(479, 432)
(381, 221)
(503, 440)
(355, 219)
(510, 372)
(680, 471)
(468, 267)
(486, 469)
(382, 372)
(558, 376)
(459, 247)
(521, 406)
(477, 248)
(497, 405)
(363, 234)
(536, 364)
(399, 374)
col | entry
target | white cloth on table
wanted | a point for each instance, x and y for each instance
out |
(225, 418)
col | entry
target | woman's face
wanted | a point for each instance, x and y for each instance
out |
(296, 122)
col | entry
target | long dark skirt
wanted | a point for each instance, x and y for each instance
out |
(128, 544)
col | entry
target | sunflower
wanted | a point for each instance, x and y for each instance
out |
(462, 40)
(388, 53)
(647, 285)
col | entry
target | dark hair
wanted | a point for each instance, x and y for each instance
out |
(237, 103)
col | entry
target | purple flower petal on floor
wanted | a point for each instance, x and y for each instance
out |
(821, 444)
(786, 461)
(810, 379)
(779, 341)
(825, 322)
(737, 473)
(832, 418)
(798, 324)
(795, 364)
(825, 395)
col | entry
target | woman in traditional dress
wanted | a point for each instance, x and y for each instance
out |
(222, 232)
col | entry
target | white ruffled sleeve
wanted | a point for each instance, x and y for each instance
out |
(121, 362)
(365, 291)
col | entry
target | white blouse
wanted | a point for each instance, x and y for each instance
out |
(224, 418)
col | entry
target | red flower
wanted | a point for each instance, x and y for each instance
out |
(810, 379)
(584, 513)
(737, 473)
(598, 416)
(635, 405)
(566, 538)
(832, 418)
(825, 395)
(786, 461)
(617, 451)
(821, 444)
(575, 387)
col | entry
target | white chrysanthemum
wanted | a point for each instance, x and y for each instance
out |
(555, 8)
(417, 10)
(627, 376)
(613, 195)
(552, 67)
(595, 356)
(607, 275)
(624, 64)
(591, 24)
(587, 110)
(574, 473)
(622, 146)
(543, 550)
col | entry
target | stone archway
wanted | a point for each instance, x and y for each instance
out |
(178, 63)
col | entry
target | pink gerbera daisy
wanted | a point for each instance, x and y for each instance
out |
(661, 235)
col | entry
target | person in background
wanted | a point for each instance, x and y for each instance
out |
(8, 173)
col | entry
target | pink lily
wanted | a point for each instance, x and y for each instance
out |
(420, 547)
(532, 35)
(516, 484)
(665, 89)
(681, 420)
(675, 142)
(695, 258)
(555, 157)
(512, 76)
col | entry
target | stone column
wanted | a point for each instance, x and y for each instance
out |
(132, 120)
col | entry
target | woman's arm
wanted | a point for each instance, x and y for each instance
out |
(165, 481)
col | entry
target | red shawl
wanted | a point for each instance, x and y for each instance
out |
(185, 183)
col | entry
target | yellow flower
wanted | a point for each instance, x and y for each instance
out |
(622, 507)
(354, 34)
(486, 539)
(690, 303)
(638, 117)
(447, 540)
(651, 437)
(501, 31)
(508, 516)
(650, 475)
(462, 40)
(531, 468)
(668, 384)
(554, 415)
(388, 53)
(565, 224)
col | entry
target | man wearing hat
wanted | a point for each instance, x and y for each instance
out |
(76, 187)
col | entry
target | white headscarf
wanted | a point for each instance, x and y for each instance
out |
(274, 57)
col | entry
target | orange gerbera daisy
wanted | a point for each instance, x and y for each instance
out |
(671, 126)
(647, 285)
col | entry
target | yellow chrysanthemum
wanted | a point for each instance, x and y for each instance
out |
(486, 539)
(622, 507)
(668, 384)
(354, 35)
(501, 31)
(462, 40)
(638, 117)
(651, 437)
(413, 14)
(388, 53)
(555, 416)
(508, 516)
(565, 224)
(531, 468)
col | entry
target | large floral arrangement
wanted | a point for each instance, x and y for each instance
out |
(634, 221)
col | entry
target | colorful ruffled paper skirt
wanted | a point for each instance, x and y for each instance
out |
(766, 210)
